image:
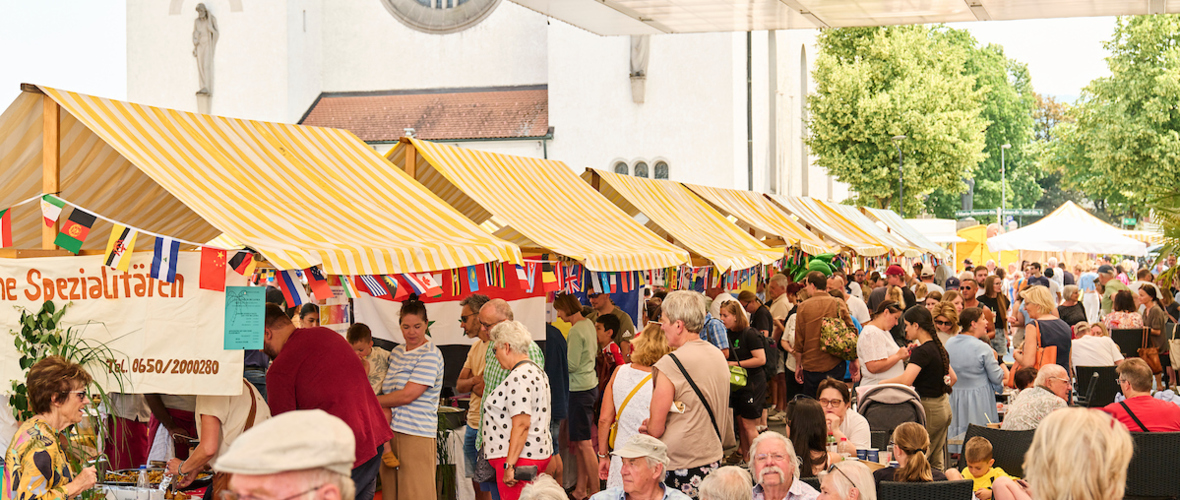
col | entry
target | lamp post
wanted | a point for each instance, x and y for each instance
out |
(900, 183)
(1003, 183)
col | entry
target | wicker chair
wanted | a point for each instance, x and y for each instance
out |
(1008, 447)
(1105, 386)
(879, 440)
(936, 490)
(1129, 341)
(1152, 472)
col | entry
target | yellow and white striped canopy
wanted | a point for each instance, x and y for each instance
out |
(540, 204)
(754, 211)
(899, 227)
(869, 227)
(1149, 237)
(674, 211)
(830, 224)
(302, 196)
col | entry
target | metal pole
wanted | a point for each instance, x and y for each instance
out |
(1003, 184)
(900, 186)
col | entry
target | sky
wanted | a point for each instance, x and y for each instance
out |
(80, 45)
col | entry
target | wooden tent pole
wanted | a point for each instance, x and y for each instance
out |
(50, 162)
(411, 166)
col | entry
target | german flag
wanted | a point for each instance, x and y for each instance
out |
(75, 231)
(243, 263)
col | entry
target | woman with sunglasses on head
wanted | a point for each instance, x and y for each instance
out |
(946, 321)
(847, 481)
(931, 375)
(35, 466)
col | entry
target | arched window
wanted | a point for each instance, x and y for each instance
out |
(661, 170)
(621, 168)
(440, 16)
(641, 169)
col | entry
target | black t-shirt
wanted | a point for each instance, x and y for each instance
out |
(762, 321)
(741, 347)
(929, 383)
(1072, 315)
(1038, 280)
(887, 474)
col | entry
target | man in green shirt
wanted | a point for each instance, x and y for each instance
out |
(1106, 276)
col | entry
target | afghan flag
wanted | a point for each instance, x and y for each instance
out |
(213, 269)
(243, 262)
(317, 282)
(75, 231)
(291, 287)
(119, 247)
(6, 228)
(51, 208)
(164, 260)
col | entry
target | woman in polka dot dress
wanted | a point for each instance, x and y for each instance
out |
(516, 413)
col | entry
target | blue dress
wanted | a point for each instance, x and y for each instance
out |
(973, 400)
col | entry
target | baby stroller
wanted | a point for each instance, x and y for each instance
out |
(886, 406)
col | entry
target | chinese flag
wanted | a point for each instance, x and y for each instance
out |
(212, 269)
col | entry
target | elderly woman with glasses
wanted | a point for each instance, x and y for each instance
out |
(776, 469)
(847, 481)
(516, 413)
(35, 466)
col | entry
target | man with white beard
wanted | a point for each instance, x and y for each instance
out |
(776, 470)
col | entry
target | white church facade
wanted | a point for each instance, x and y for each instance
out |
(493, 75)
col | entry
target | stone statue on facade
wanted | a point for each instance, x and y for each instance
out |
(204, 41)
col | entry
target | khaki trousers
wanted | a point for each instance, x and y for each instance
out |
(415, 478)
(938, 419)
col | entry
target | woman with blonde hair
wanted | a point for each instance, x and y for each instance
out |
(847, 481)
(894, 293)
(946, 321)
(910, 446)
(954, 298)
(1077, 454)
(630, 384)
(1044, 330)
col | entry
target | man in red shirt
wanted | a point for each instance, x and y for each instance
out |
(315, 368)
(1140, 412)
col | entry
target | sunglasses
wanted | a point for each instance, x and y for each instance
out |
(850, 481)
(943, 323)
(463, 319)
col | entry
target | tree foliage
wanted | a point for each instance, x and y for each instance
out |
(876, 83)
(1124, 148)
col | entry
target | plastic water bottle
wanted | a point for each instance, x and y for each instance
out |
(142, 482)
(831, 444)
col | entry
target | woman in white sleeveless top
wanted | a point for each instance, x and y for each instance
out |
(647, 348)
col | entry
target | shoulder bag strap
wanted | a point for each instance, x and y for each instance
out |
(628, 398)
(700, 396)
(253, 408)
(1133, 417)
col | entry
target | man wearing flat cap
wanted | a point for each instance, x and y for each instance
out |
(645, 463)
(304, 454)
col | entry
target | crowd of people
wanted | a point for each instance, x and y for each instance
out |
(652, 412)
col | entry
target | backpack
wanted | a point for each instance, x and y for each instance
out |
(837, 338)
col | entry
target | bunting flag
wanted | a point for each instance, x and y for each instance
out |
(520, 275)
(573, 279)
(75, 230)
(291, 287)
(399, 292)
(51, 208)
(625, 282)
(375, 287)
(472, 279)
(423, 284)
(531, 276)
(243, 262)
(547, 276)
(213, 269)
(164, 260)
(119, 247)
(614, 285)
(456, 283)
(317, 282)
(595, 282)
(349, 286)
(556, 285)
(6, 228)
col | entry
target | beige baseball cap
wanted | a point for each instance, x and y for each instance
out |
(642, 445)
(295, 440)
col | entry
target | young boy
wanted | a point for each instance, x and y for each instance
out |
(979, 467)
(376, 359)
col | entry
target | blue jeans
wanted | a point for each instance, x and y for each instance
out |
(257, 378)
(469, 451)
(364, 476)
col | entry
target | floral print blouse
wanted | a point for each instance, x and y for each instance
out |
(35, 466)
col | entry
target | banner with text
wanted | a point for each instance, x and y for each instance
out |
(163, 337)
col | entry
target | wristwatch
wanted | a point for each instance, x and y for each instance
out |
(508, 466)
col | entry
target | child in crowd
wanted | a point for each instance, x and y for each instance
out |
(979, 467)
(375, 358)
(1024, 378)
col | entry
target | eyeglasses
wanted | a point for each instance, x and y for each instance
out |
(833, 403)
(82, 394)
(1060, 378)
(777, 457)
(850, 481)
(230, 495)
(490, 325)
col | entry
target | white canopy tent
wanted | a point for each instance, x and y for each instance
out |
(1069, 229)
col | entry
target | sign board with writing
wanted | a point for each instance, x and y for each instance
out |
(245, 316)
(1129, 221)
(995, 211)
(163, 337)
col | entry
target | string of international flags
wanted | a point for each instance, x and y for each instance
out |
(555, 273)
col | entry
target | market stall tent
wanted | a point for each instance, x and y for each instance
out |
(1069, 229)
(901, 228)
(675, 212)
(541, 205)
(974, 247)
(756, 213)
(301, 196)
(853, 215)
(832, 225)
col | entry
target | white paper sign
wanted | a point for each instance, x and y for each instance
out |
(165, 337)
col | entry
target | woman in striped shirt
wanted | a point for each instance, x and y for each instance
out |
(411, 389)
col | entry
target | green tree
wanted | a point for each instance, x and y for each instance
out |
(1124, 148)
(876, 83)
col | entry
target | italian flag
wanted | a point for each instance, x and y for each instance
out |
(51, 208)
